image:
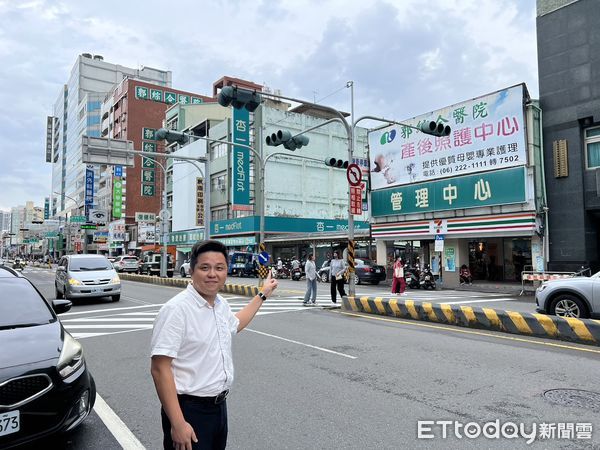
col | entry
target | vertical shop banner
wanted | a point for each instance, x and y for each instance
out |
(488, 133)
(240, 190)
(47, 208)
(117, 197)
(89, 187)
(199, 202)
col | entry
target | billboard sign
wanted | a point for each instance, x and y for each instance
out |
(488, 133)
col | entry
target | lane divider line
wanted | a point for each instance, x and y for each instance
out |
(116, 426)
(302, 343)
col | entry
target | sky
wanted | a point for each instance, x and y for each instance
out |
(405, 57)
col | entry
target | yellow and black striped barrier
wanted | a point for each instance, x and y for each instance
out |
(584, 331)
(239, 289)
(351, 264)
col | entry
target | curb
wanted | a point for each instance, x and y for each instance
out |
(240, 289)
(583, 331)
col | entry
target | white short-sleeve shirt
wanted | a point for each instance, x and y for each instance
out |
(198, 338)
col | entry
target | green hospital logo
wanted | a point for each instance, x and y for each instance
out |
(387, 137)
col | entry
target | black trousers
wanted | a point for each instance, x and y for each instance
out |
(209, 421)
(339, 285)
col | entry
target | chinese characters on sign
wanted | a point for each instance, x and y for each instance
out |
(469, 191)
(488, 133)
(355, 200)
(240, 189)
(167, 97)
(117, 197)
(148, 165)
(200, 202)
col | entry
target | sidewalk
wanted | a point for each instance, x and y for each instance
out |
(493, 287)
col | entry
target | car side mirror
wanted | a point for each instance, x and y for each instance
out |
(61, 306)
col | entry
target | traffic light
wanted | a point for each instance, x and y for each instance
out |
(239, 98)
(285, 137)
(435, 129)
(172, 136)
(337, 163)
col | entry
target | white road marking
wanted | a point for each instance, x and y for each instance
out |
(115, 425)
(302, 343)
(507, 299)
(158, 305)
(105, 326)
(109, 319)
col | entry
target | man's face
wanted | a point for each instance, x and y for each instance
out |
(209, 273)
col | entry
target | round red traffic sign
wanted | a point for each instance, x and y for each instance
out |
(354, 174)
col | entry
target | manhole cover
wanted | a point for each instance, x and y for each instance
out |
(574, 397)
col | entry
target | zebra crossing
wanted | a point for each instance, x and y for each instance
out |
(102, 322)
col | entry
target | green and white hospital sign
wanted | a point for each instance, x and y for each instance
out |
(498, 187)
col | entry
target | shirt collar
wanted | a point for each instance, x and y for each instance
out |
(197, 297)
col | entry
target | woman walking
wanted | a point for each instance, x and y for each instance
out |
(398, 282)
(336, 276)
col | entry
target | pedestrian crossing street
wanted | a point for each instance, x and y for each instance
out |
(101, 322)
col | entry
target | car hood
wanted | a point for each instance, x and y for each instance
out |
(93, 274)
(570, 281)
(30, 345)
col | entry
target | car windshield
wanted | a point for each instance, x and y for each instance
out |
(21, 305)
(129, 259)
(83, 264)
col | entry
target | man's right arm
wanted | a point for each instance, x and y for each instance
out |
(182, 432)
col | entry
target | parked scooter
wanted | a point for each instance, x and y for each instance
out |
(297, 274)
(411, 276)
(427, 280)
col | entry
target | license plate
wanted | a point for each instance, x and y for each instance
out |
(96, 290)
(9, 423)
(427, 278)
(377, 270)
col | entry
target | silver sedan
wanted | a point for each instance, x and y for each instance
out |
(570, 297)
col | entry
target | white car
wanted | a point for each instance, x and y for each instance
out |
(184, 270)
(126, 264)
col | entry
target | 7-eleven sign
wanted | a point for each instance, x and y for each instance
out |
(438, 226)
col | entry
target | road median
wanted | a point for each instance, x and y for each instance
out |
(240, 289)
(583, 331)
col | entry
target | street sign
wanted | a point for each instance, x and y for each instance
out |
(263, 258)
(355, 200)
(78, 219)
(354, 174)
(88, 226)
(439, 243)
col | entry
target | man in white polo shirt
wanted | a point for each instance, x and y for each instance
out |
(192, 366)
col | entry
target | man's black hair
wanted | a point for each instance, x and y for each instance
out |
(209, 245)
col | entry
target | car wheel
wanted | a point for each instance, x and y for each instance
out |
(116, 298)
(569, 306)
(182, 272)
(324, 277)
(59, 294)
(356, 280)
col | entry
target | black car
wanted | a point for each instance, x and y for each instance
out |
(45, 386)
(366, 271)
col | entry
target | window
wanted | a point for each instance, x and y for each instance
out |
(218, 183)
(218, 151)
(592, 147)
(219, 214)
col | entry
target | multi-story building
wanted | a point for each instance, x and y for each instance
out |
(305, 201)
(4, 221)
(475, 197)
(77, 112)
(568, 43)
(133, 110)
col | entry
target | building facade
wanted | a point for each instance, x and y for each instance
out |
(568, 42)
(305, 201)
(475, 197)
(134, 110)
(77, 112)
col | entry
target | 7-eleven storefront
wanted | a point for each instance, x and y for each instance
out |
(495, 247)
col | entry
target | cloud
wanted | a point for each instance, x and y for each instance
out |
(405, 57)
